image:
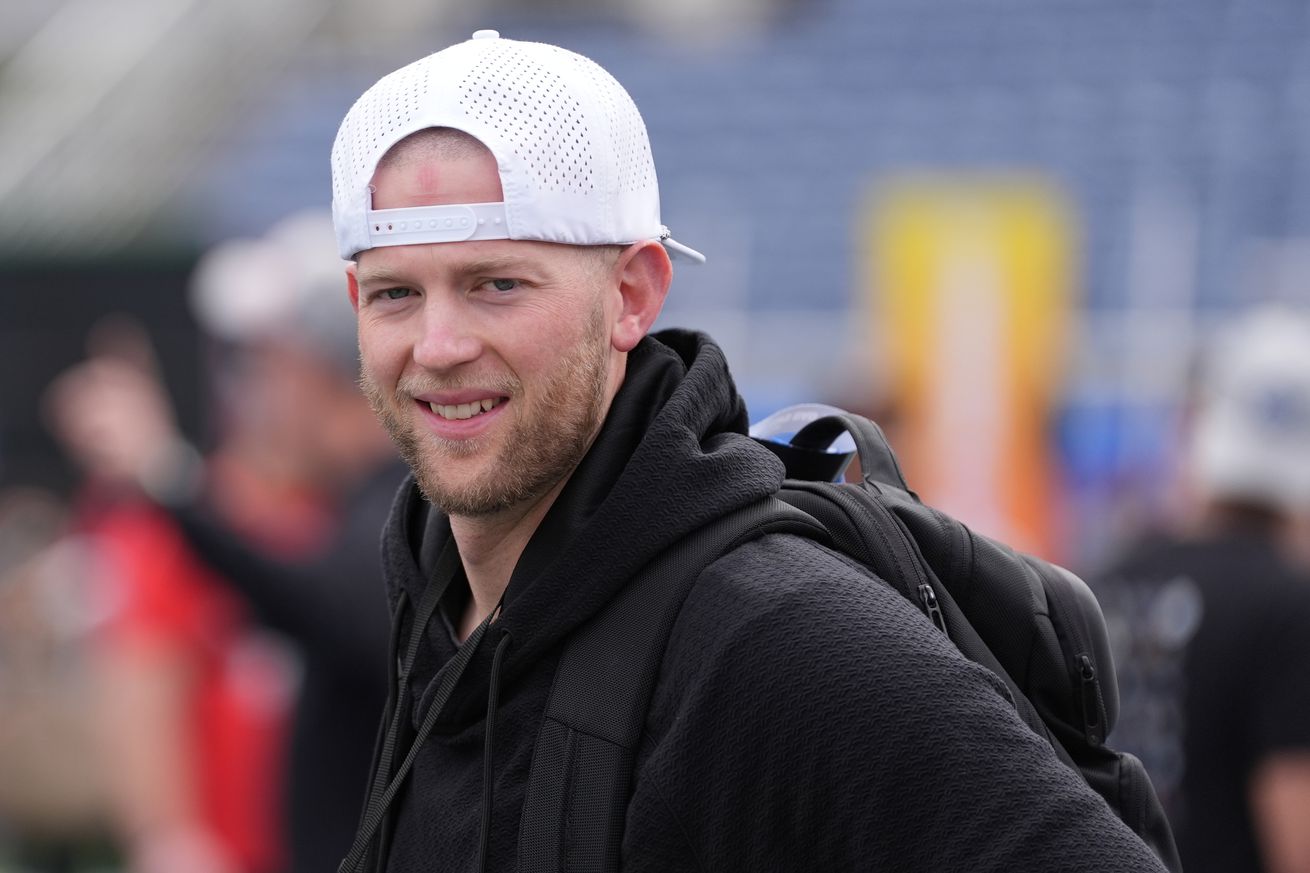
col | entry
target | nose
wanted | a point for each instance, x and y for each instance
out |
(448, 338)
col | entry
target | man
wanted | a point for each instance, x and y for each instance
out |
(1212, 621)
(500, 205)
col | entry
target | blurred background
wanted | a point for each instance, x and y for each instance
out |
(1003, 227)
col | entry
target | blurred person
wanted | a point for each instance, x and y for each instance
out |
(499, 204)
(1211, 619)
(193, 700)
(290, 407)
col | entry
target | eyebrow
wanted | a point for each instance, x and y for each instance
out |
(372, 276)
(507, 264)
(379, 276)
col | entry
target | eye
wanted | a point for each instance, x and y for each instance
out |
(392, 294)
(504, 284)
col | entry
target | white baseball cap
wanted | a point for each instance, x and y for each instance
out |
(571, 148)
(1252, 432)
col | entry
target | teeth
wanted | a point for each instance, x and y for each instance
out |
(462, 411)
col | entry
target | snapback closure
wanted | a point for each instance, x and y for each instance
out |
(454, 222)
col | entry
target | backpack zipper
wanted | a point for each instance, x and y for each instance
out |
(929, 600)
(907, 559)
(1091, 700)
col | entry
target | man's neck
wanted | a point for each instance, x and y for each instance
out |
(489, 549)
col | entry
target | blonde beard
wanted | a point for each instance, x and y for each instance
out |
(542, 450)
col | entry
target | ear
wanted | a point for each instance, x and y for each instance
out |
(352, 284)
(644, 274)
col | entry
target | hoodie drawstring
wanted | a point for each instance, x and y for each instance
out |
(396, 703)
(488, 775)
(384, 789)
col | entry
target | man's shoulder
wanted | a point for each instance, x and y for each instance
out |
(784, 601)
(783, 571)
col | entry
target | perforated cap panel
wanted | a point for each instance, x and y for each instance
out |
(574, 158)
(527, 104)
(386, 112)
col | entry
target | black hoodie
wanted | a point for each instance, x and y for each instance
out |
(806, 716)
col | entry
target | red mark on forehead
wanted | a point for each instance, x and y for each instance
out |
(431, 182)
(429, 176)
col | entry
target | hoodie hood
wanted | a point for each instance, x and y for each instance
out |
(672, 455)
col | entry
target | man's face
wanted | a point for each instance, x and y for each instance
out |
(490, 362)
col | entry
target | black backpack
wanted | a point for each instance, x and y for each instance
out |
(1035, 625)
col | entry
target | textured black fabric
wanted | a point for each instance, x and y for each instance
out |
(805, 717)
(1213, 645)
(811, 719)
(601, 695)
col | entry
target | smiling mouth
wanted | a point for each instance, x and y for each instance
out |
(462, 411)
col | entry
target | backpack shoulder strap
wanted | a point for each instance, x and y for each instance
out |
(582, 765)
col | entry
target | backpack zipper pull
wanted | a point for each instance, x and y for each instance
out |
(929, 598)
(1091, 697)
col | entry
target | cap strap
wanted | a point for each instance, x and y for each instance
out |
(676, 248)
(437, 224)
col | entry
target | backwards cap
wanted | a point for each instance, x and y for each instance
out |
(1252, 434)
(572, 152)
